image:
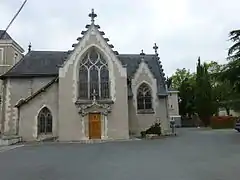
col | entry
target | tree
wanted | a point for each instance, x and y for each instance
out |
(184, 81)
(221, 88)
(179, 76)
(234, 50)
(204, 101)
(231, 70)
(187, 98)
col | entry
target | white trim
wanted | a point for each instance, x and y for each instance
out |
(43, 106)
(21, 99)
(175, 116)
(5, 65)
(13, 44)
(139, 84)
(7, 106)
(83, 128)
(2, 56)
(136, 82)
(143, 66)
(104, 128)
(173, 91)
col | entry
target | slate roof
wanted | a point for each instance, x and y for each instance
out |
(46, 63)
(38, 63)
(6, 36)
(132, 62)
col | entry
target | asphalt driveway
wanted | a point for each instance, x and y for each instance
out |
(193, 155)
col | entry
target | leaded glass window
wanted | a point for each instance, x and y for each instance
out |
(45, 121)
(144, 97)
(93, 76)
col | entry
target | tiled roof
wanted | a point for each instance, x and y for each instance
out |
(46, 63)
(38, 63)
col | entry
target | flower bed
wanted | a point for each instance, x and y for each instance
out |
(222, 122)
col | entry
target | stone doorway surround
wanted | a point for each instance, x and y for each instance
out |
(85, 107)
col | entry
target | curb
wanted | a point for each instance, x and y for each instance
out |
(8, 148)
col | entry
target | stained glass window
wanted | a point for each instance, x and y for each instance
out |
(93, 75)
(144, 97)
(44, 121)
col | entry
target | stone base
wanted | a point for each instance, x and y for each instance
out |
(9, 140)
(93, 141)
(46, 138)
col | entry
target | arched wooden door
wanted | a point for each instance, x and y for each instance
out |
(94, 125)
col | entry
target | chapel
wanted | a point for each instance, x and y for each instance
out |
(89, 92)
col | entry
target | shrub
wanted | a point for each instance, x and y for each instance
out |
(222, 122)
(154, 129)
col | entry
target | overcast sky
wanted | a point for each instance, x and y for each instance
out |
(183, 29)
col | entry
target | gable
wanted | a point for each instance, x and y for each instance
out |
(51, 63)
(92, 38)
(133, 62)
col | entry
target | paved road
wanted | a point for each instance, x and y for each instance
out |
(194, 155)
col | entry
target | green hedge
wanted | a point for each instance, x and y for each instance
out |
(222, 122)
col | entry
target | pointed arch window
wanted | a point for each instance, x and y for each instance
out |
(144, 97)
(44, 121)
(93, 75)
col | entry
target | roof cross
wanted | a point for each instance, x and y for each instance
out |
(142, 53)
(155, 47)
(92, 15)
(29, 47)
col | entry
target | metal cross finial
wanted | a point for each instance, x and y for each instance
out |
(155, 47)
(142, 53)
(29, 47)
(92, 15)
(94, 94)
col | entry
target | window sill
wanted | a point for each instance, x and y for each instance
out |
(45, 136)
(146, 111)
(99, 101)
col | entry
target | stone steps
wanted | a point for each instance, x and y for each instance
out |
(9, 140)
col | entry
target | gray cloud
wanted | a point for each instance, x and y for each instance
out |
(182, 29)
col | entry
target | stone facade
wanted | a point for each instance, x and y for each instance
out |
(25, 95)
(10, 54)
(173, 107)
